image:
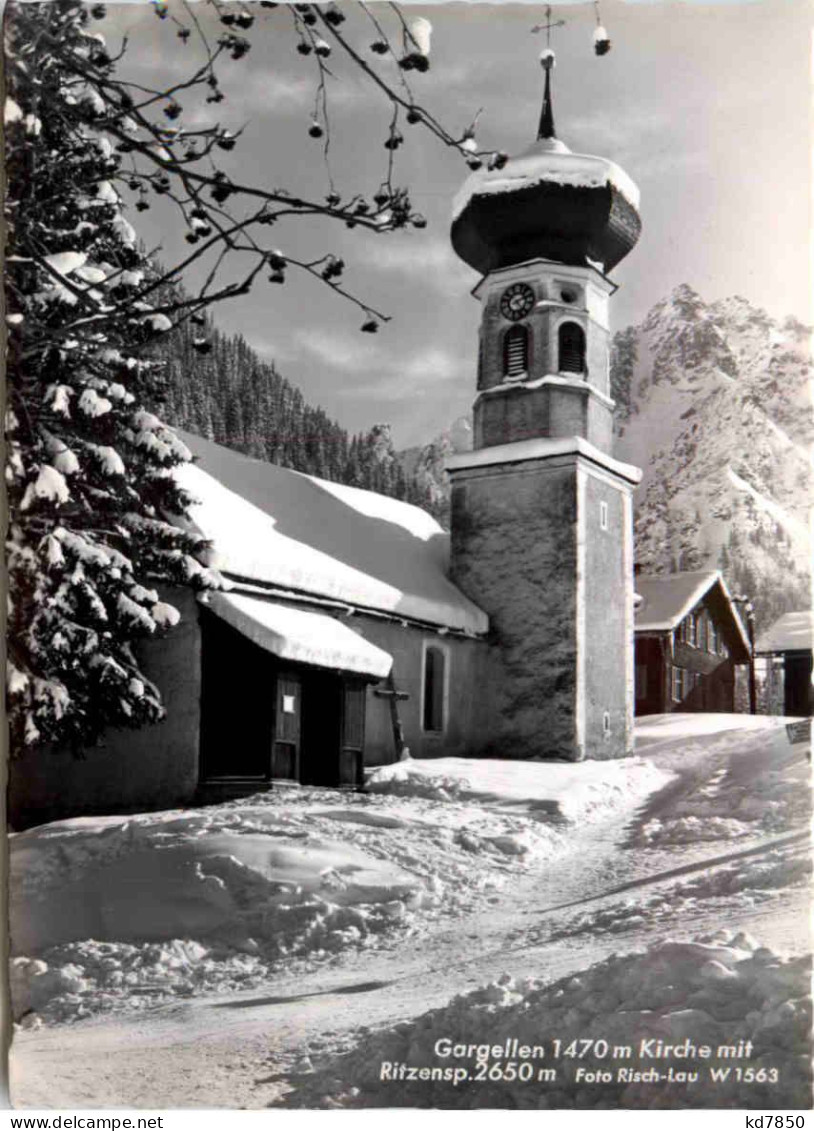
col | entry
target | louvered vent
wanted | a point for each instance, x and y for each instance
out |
(572, 348)
(516, 352)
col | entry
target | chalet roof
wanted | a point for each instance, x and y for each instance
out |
(793, 632)
(667, 598)
(276, 527)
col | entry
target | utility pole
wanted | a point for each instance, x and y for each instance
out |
(749, 610)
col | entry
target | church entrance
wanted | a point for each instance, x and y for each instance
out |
(333, 730)
(265, 719)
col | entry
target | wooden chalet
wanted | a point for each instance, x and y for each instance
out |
(688, 640)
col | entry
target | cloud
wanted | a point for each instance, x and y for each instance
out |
(396, 378)
(338, 351)
(432, 261)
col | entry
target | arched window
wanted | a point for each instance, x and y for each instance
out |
(516, 351)
(434, 688)
(572, 348)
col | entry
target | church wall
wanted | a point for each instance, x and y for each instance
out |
(514, 554)
(407, 646)
(606, 648)
(597, 358)
(155, 767)
(514, 415)
(600, 425)
(568, 413)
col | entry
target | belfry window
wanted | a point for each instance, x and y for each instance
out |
(572, 348)
(435, 663)
(516, 351)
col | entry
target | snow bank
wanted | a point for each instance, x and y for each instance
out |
(715, 991)
(111, 905)
(110, 913)
(583, 791)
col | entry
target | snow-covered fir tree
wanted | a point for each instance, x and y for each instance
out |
(92, 496)
(89, 467)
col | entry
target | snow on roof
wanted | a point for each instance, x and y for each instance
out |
(668, 598)
(542, 164)
(306, 637)
(793, 632)
(279, 527)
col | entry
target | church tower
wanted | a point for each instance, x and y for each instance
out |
(542, 534)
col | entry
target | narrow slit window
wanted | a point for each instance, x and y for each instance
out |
(603, 516)
(572, 348)
(434, 686)
(516, 351)
(606, 727)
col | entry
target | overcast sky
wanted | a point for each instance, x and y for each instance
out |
(705, 106)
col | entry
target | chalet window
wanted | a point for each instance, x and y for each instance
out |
(435, 676)
(572, 348)
(691, 637)
(701, 631)
(680, 684)
(516, 351)
(713, 638)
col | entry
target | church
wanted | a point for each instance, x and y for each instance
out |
(352, 628)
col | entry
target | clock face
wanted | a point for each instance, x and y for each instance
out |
(516, 301)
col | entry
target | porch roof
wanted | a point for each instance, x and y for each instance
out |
(793, 632)
(304, 637)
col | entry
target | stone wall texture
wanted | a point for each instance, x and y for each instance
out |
(606, 640)
(514, 551)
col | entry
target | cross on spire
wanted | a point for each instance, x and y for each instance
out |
(548, 25)
(546, 127)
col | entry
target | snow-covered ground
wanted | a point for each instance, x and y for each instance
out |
(257, 952)
(119, 912)
(721, 992)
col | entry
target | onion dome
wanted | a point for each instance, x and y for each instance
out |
(547, 203)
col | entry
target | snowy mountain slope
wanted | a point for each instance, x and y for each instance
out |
(714, 406)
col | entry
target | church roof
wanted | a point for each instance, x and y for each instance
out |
(667, 598)
(547, 202)
(274, 527)
(793, 632)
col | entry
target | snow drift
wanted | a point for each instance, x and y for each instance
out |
(716, 990)
(572, 791)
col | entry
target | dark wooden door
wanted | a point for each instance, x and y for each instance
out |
(798, 691)
(236, 707)
(285, 760)
(352, 748)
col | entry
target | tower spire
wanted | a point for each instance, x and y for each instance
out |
(546, 127)
(547, 62)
